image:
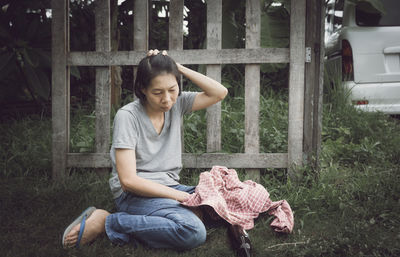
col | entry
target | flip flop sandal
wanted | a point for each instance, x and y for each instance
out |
(82, 220)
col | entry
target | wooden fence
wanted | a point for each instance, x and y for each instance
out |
(305, 84)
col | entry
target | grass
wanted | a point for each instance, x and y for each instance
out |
(351, 207)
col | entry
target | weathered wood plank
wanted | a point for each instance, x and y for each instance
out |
(140, 32)
(116, 80)
(310, 74)
(197, 56)
(252, 108)
(313, 83)
(206, 160)
(214, 41)
(214, 116)
(252, 84)
(175, 40)
(60, 88)
(296, 84)
(140, 25)
(175, 35)
(237, 160)
(318, 90)
(103, 82)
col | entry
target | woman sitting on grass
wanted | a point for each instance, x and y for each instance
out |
(146, 160)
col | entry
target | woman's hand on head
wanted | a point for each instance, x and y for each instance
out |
(153, 52)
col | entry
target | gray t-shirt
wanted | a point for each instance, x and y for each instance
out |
(158, 156)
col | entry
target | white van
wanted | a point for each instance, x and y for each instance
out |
(362, 46)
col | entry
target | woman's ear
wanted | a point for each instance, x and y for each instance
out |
(143, 90)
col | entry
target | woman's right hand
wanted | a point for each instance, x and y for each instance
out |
(182, 196)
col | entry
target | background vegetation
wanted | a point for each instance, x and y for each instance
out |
(350, 207)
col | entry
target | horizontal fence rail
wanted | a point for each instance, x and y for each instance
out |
(206, 160)
(201, 56)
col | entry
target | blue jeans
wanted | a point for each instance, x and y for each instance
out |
(158, 222)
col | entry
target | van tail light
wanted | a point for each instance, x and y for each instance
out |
(347, 61)
(360, 102)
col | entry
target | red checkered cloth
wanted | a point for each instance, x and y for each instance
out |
(239, 203)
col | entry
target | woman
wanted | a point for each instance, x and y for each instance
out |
(146, 159)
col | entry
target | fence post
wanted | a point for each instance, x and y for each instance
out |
(214, 41)
(318, 91)
(103, 79)
(296, 85)
(313, 82)
(60, 96)
(140, 27)
(175, 39)
(252, 85)
(175, 25)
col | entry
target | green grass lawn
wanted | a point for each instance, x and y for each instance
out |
(350, 207)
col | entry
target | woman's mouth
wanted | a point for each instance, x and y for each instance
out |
(166, 108)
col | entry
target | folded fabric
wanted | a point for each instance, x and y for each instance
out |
(239, 203)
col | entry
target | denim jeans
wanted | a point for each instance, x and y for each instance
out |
(157, 222)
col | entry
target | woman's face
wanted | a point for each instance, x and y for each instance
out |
(162, 92)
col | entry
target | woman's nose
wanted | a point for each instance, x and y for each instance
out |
(166, 98)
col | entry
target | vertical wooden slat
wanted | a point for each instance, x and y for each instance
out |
(140, 28)
(116, 80)
(175, 39)
(310, 75)
(214, 41)
(252, 84)
(175, 26)
(103, 87)
(60, 87)
(296, 84)
(313, 82)
(318, 90)
(141, 25)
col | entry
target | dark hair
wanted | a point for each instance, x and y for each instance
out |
(152, 66)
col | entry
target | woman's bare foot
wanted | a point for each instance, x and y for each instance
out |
(94, 227)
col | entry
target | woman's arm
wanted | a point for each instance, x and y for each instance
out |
(130, 181)
(213, 91)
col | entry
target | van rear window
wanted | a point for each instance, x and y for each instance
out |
(389, 18)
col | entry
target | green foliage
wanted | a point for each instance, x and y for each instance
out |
(82, 131)
(274, 111)
(233, 20)
(25, 50)
(195, 126)
(275, 24)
